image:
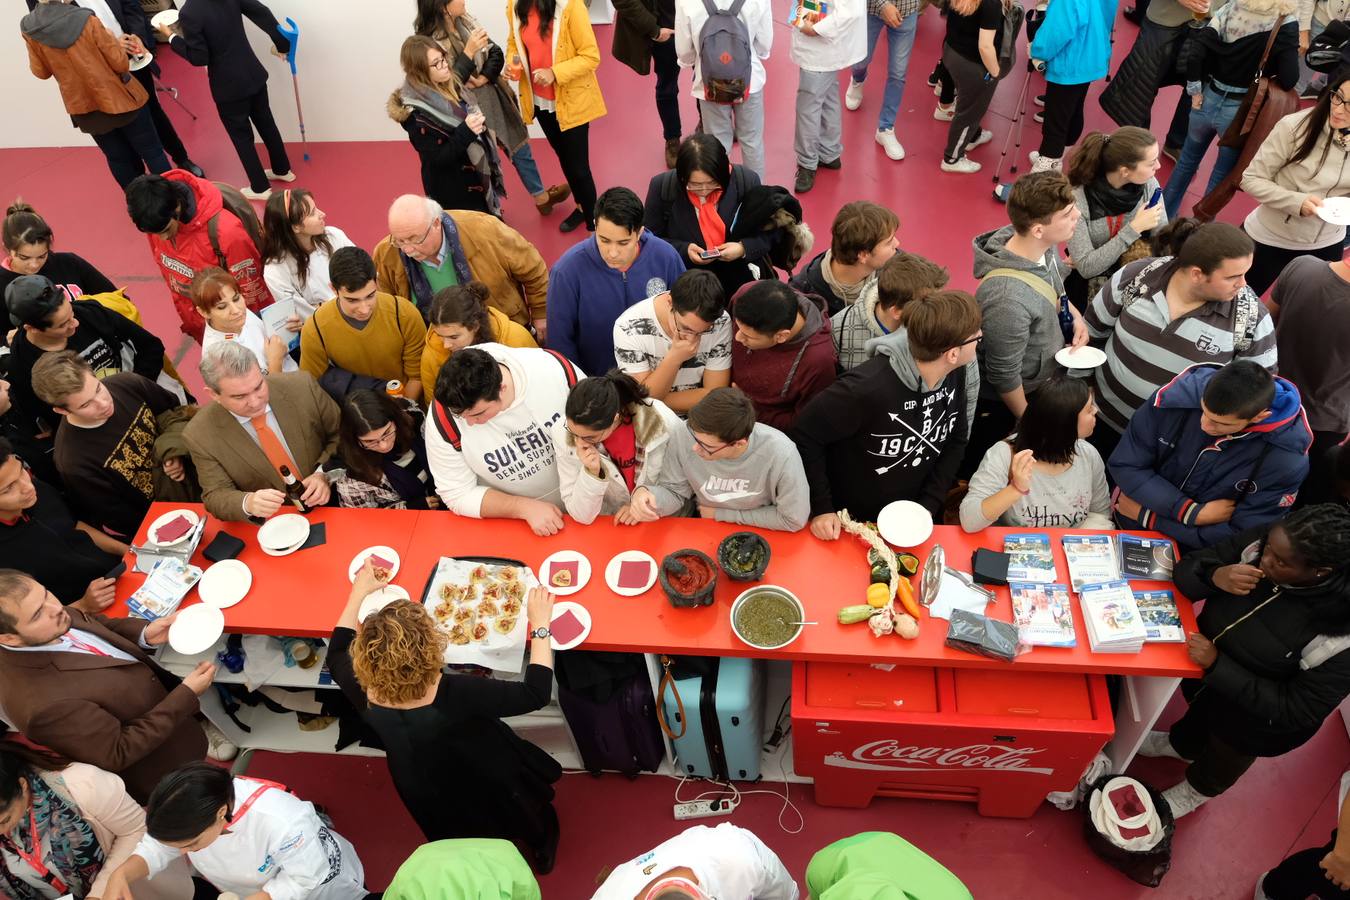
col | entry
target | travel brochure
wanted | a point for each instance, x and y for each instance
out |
(1146, 559)
(1091, 558)
(1029, 558)
(1114, 623)
(1162, 622)
(1043, 614)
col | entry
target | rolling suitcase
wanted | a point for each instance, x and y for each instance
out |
(619, 733)
(723, 721)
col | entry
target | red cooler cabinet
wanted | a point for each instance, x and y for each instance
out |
(1000, 738)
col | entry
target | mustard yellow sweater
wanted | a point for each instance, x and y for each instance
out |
(388, 348)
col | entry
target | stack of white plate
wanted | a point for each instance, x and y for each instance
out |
(284, 534)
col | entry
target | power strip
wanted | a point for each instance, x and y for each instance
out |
(704, 809)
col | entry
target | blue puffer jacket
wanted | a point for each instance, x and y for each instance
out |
(1075, 40)
(1171, 468)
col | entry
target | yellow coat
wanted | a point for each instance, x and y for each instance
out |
(435, 353)
(576, 56)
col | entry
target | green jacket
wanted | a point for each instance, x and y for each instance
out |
(468, 869)
(878, 865)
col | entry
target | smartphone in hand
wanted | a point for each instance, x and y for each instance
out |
(714, 253)
(1157, 195)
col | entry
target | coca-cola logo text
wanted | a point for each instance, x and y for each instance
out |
(890, 756)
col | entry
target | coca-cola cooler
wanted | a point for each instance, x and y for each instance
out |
(1000, 738)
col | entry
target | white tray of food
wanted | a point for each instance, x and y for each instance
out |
(481, 607)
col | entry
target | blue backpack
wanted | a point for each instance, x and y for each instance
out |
(724, 54)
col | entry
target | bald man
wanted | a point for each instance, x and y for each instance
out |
(429, 249)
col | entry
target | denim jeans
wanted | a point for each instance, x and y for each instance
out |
(1210, 120)
(528, 170)
(900, 40)
(133, 148)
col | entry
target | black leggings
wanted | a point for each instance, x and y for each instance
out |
(573, 149)
(1217, 765)
(1063, 117)
(1300, 876)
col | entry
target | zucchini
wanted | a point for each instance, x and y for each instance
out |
(851, 615)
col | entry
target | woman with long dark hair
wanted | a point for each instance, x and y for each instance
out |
(1303, 162)
(380, 442)
(1271, 646)
(1046, 474)
(460, 167)
(298, 242)
(459, 770)
(51, 841)
(29, 249)
(1114, 178)
(693, 208)
(459, 317)
(610, 444)
(245, 836)
(477, 62)
(553, 53)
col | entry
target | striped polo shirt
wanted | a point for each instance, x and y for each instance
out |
(1145, 348)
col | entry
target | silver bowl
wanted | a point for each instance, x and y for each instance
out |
(767, 589)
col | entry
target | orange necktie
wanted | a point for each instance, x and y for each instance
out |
(272, 447)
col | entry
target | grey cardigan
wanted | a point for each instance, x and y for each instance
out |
(1093, 250)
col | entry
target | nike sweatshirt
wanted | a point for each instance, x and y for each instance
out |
(764, 487)
(879, 434)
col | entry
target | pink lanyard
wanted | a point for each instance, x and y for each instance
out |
(263, 786)
(34, 859)
(87, 648)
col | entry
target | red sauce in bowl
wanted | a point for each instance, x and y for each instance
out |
(696, 576)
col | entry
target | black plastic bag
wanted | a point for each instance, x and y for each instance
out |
(1147, 867)
(975, 633)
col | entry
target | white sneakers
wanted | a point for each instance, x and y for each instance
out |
(1183, 799)
(984, 137)
(853, 96)
(944, 113)
(963, 166)
(273, 176)
(888, 143)
(1044, 163)
(1158, 744)
(219, 747)
(251, 194)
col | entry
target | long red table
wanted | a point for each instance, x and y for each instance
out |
(302, 594)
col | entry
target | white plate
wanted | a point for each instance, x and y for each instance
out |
(138, 63)
(612, 573)
(1335, 210)
(196, 629)
(281, 532)
(380, 599)
(583, 571)
(166, 519)
(1082, 358)
(164, 19)
(583, 616)
(904, 523)
(285, 551)
(359, 560)
(225, 584)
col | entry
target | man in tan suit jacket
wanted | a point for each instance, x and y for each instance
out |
(238, 479)
(86, 687)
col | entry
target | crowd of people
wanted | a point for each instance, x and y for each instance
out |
(660, 367)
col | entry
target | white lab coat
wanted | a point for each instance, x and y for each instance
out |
(279, 846)
(730, 863)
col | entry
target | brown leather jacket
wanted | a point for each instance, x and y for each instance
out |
(93, 72)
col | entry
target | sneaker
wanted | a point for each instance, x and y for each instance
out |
(1158, 744)
(1261, 887)
(853, 96)
(1045, 163)
(218, 746)
(1183, 799)
(1039, 99)
(834, 165)
(1039, 117)
(273, 176)
(933, 79)
(963, 166)
(805, 180)
(945, 113)
(1001, 192)
(251, 194)
(888, 143)
(984, 137)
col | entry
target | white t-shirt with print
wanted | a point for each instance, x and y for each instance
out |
(640, 344)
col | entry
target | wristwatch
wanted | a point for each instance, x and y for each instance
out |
(541, 632)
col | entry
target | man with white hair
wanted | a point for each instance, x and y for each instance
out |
(429, 248)
(258, 425)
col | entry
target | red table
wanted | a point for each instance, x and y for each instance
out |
(303, 594)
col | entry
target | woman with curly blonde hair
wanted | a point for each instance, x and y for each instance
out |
(459, 770)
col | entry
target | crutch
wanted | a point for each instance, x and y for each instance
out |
(162, 88)
(1015, 127)
(291, 32)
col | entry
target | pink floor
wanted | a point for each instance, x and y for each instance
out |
(1282, 804)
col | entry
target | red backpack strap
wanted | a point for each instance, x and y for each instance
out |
(445, 424)
(569, 370)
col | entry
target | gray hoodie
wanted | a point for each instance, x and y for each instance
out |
(764, 487)
(1021, 325)
(55, 25)
(895, 346)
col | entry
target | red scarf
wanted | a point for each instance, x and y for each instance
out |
(710, 222)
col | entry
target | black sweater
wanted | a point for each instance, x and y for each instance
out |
(1260, 700)
(868, 439)
(71, 273)
(1234, 64)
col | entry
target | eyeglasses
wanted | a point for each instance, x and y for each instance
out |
(410, 242)
(681, 331)
(1337, 100)
(387, 434)
(702, 187)
(588, 441)
(706, 449)
(440, 63)
(976, 340)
